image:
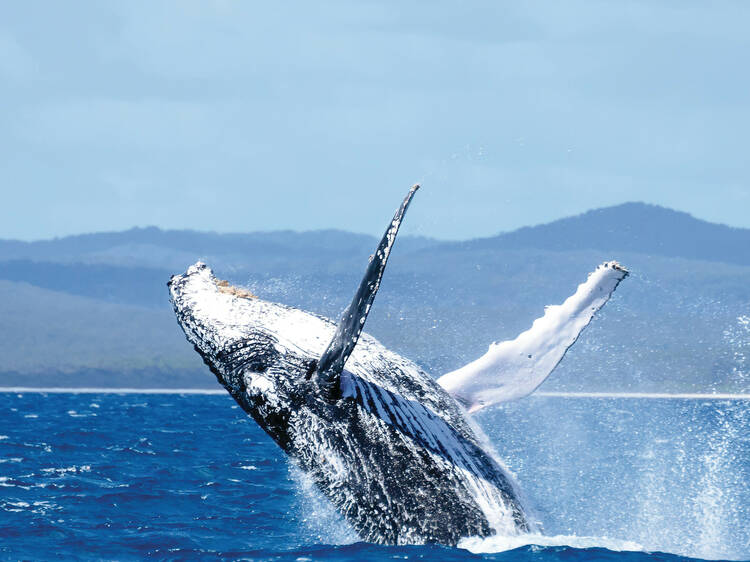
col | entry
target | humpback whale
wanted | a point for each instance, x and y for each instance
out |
(393, 449)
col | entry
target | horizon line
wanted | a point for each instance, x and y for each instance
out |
(335, 229)
(221, 391)
(648, 395)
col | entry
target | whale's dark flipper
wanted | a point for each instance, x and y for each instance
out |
(352, 321)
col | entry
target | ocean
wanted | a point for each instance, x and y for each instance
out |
(182, 476)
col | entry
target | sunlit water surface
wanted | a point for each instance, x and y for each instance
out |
(175, 476)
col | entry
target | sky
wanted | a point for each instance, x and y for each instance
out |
(247, 116)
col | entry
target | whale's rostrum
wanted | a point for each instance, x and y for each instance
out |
(393, 451)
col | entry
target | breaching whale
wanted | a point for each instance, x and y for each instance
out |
(394, 450)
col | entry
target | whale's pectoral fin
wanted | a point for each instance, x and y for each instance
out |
(514, 369)
(332, 361)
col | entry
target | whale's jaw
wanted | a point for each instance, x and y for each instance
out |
(393, 454)
(232, 332)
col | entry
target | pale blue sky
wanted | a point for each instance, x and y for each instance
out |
(234, 116)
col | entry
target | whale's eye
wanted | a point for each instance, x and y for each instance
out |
(258, 367)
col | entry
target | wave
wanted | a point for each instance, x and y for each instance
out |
(498, 543)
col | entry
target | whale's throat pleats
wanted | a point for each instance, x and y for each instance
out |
(331, 363)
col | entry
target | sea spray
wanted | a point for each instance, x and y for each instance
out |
(318, 520)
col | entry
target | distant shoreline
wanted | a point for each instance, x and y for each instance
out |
(221, 391)
(101, 390)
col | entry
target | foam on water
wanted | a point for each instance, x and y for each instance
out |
(498, 543)
(322, 524)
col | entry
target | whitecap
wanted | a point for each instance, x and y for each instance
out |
(74, 414)
(69, 469)
(14, 506)
(42, 507)
(4, 483)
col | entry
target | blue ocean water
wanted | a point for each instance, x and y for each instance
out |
(131, 476)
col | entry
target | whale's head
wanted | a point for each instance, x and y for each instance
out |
(262, 352)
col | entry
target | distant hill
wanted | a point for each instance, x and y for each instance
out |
(152, 247)
(93, 310)
(631, 227)
(50, 338)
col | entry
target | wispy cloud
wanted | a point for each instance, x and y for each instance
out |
(309, 110)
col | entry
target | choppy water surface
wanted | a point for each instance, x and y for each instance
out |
(175, 476)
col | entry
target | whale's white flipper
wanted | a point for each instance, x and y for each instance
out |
(514, 369)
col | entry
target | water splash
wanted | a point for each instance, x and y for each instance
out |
(318, 519)
(499, 543)
(738, 338)
(671, 475)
